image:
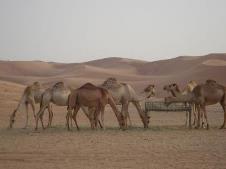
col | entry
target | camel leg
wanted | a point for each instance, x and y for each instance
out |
(92, 118)
(205, 116)
(75, 116)
(124, 112)
(71, 122)
(224, 108)
(143, 116)
(194, 109)
(41, 119)
(127, 115)
(198, 121)
(102, 117)
(91, 114)
(96, 117)
(202, 116)
(130, 122)
(12, 118)
(32, 103)
(186, 119)
(39, 114)
(87, 113)
(26, 122)
(50, 115)
(186, 116)
(69, 115)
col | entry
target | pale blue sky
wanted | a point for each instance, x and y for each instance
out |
(81, 30)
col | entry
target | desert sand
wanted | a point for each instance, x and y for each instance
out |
(165, 144)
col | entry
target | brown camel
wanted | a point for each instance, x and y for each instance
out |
(58, 94)
(123, 94)
(91, 96)
(31, 96)
(175, 92)
(203, 95)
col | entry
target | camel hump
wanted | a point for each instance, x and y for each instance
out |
(36, 83)
(111, 83)
(210, 81)
(88, 86)
(58, 85)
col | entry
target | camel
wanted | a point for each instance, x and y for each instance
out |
(203, 95)
(175, 91)
(149, 91)
(91, 96)
(58, 95)
(31, 95)
(123, 94)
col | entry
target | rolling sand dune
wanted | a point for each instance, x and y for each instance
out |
(138, 73)
(166, 144)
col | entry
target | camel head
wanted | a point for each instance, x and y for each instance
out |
(36, 86)
(150, 91)
(172, 88)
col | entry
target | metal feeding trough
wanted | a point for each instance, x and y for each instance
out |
(173, 107)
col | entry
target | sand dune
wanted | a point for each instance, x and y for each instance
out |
(215, 62)
(138, 73)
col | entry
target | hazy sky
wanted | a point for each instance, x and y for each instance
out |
(81, 30)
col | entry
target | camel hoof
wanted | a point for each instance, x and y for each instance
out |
(9, 127)
(197, 127)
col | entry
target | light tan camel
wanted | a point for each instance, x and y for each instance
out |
(91, 96)
(58, 95)
(123, 94)
(31, 96)
(175, 91)
(203, 95)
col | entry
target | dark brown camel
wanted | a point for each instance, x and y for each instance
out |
(91, 96)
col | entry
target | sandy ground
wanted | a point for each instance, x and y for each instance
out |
(166, 144)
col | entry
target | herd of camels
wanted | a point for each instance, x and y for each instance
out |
(92, 100)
